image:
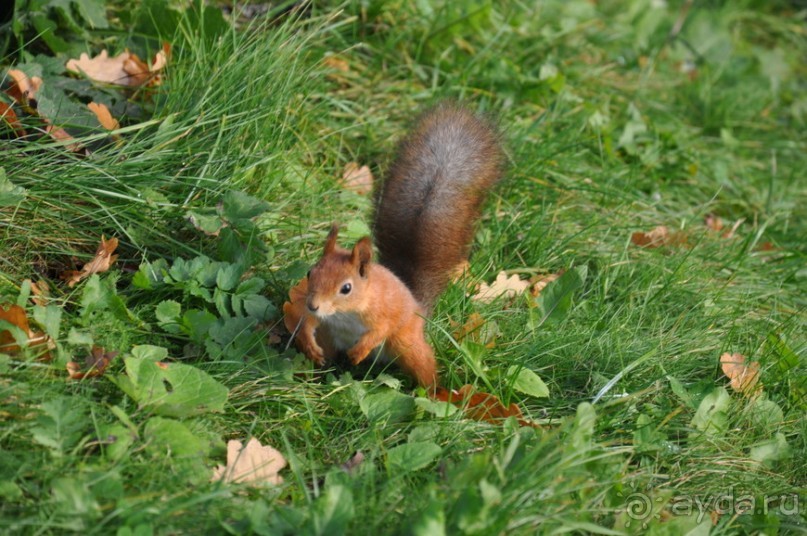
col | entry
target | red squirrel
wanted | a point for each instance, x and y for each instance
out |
(424, 222)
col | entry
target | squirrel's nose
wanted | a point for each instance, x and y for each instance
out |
(311, 307)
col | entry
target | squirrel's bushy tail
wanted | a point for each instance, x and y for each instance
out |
(429, 203)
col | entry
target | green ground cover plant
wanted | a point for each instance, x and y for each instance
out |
(221, 184)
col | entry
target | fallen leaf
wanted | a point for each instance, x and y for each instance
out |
(14, 315)
(481, 406)
(357, 179)
(41, 292)
(22, 88)
(126, 69)
(660, 236)
(102, 68)
(336, 63)
(102, 261)
(95, 364)
(9, 117)
(254, 463)
(479, 330)
(104, 116)
(539, 283)
(744, 376)
(730, 232)
(713, 223)
(508, 287)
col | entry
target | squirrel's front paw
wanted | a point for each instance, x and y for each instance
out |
(357, 354)
(316, 354)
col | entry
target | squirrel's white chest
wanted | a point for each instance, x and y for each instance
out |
(345, 329)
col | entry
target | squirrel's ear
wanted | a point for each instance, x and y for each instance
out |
(362, 255)
(330, 242)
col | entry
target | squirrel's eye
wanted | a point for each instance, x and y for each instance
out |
(346, 288)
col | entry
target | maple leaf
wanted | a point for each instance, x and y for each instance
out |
(508, 287)
(95, 364)
(744, 376)
(254, 463)
(102, 261)
(357, 178)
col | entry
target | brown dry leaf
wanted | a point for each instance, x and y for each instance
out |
(356, 178)
(744, 376)
(481, 406)
(336, 63)
(713, 223)
(9, 117)
(41, 292)
(23, 88)
(254, 463)
(660, 236)
(14, 315)
(104, 116)
(100, 263)
(95, 364)
(508, 287)
(539, 283)
(478, 330)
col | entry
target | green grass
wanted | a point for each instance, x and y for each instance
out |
(612, 125)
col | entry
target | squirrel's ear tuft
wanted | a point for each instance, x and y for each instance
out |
(362, 255)
(330, 242)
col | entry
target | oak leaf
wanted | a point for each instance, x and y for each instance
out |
(95, 364)
(126, 69)
(254, 463)
(22, 88)
(104, 116)
(508, 287)
(102, 261)
(744, 375)
(357, 178)
(539, 283)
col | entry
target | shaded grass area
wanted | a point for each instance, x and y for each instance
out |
(618, 118)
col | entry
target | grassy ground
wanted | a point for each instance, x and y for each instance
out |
(618, 117)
